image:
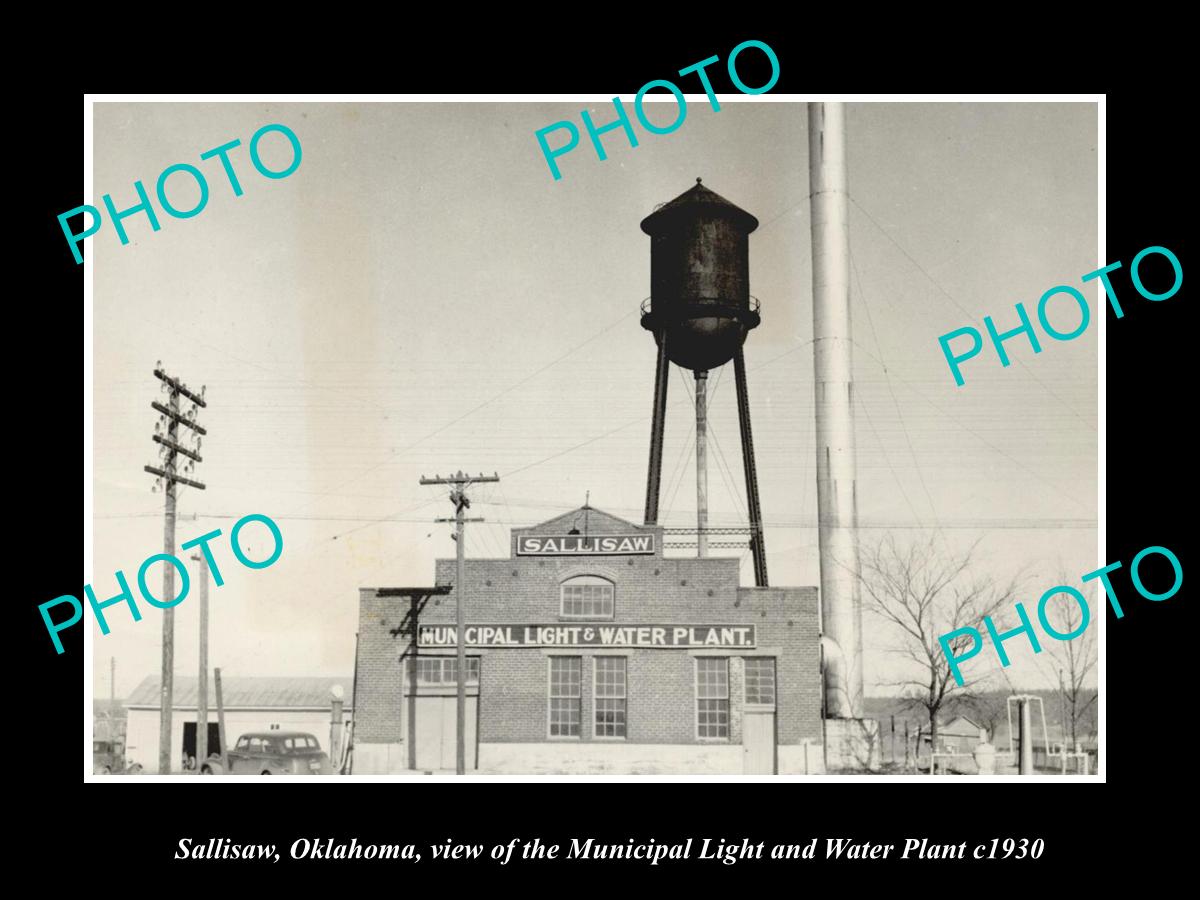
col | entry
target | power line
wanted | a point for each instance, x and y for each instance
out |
(971, 431)
(1033, 524)
(480, 406)
(966, 312)
(899, 415)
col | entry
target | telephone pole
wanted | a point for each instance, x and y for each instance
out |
(458, 497)
(202, 684)
(169, 419)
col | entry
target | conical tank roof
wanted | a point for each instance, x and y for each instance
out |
(697, 200)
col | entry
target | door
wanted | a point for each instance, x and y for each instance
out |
(436, 720)
(758, 743)
(758, 716)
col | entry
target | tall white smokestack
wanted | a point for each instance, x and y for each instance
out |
(837, 502)
(702, 464)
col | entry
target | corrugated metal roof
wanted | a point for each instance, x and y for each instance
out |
(256, 692)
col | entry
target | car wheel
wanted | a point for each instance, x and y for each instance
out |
(266, 771)
(206, 770)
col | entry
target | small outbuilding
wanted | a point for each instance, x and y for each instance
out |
(251, 704)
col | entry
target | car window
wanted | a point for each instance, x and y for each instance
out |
(256, 745)
(243, 742)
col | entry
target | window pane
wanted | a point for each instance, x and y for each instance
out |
(610, 696)
(587, 595)
(760, 680)
(444, 669)
(712, 678)
(712, 697)
(566, 681)
(610, 676)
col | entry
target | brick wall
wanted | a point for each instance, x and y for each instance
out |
(660, 682)
(380, 686)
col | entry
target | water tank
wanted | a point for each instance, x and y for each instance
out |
(700, 278)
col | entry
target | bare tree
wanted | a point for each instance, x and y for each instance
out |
(924, 592)
(1067, 665)
(986, 708)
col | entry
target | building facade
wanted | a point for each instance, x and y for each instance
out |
(590, 652)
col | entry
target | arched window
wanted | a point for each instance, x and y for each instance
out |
(587, 597)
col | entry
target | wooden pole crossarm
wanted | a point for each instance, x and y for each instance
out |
(167, 442)
(179, 386)
(173, 477)
(182, 420)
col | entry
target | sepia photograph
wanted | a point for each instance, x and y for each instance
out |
(519, 438)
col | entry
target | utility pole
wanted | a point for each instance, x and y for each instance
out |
(112, 709)
(221, 721)
(458, 497)
(202, 683)
(170, 418)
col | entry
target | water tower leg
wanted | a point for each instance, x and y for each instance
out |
(661, 380)
(702, 464)
(757, 547)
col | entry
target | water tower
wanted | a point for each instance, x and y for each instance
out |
(700, 311)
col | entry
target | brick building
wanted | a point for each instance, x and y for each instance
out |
(590, 652)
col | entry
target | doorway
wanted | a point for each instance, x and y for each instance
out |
(190, 740)
(436, 742)
(758, 717)
(758, 743)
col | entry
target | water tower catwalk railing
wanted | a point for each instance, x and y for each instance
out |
(750, 314)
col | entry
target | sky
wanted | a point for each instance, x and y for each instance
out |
(421, 296)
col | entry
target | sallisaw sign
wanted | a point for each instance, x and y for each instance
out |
(583, 545)
(680, 636)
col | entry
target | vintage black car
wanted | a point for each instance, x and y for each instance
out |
(273, 753)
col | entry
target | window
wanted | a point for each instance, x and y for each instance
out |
(712, 697)
(587, 596)
(610, 696)
(566, 682)
(760, 681)
(243, 742)
(443, 669)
